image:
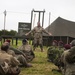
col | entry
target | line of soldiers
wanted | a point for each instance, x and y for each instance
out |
(63, 58)
(11, 59)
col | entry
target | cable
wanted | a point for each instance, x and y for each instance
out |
(18, 12)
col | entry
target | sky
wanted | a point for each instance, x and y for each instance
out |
(20, 11)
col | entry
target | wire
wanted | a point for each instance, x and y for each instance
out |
(18, 12)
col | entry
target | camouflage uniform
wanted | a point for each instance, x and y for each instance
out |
(21, 58)
(9, 58)
(53, 54)
(69, 69)
(68, 59)
(60, 44)
(12, 63)
(37, 34)
(27, 49)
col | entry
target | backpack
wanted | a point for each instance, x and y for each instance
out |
(4, 67)
(70, 57)
(14, 70)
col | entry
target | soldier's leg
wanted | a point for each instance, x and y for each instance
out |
(41, 44)
(34, 47)
(35, 44)
(23, 61)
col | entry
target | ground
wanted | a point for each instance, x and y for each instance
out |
(40, 65)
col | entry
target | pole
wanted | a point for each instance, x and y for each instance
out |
(39, 17)
(4, 20)
(31, 17)
(34, 20)
(43, 18)
(67, 39)
(49, 17)
(49, 22)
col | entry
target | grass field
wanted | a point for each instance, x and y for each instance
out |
(40, 65)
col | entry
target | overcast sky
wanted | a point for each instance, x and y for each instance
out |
(20, 11)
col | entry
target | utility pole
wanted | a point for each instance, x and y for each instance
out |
(4, 20)
(34, 20)
(49, 17)
(31, 18)
(49, 21)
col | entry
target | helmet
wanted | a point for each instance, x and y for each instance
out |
(24, 41)
(67, 46)
(5, 46)
(8, 41)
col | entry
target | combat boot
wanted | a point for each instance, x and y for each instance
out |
(41, 49)
(29, 65)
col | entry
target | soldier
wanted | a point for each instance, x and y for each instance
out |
(37, 34)
(55, 43)
(68, 59)
(20, 57)
(67, 46)
(51, 54)
(60, 45)
(12, 62)
(27, 50)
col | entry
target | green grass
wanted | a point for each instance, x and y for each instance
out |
(40, 65)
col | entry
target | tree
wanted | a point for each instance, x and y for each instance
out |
(11, 32)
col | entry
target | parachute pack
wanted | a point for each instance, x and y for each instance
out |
(70, 57)
(4, 67)
(53, 53)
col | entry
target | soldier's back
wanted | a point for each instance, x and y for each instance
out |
(4, 56)
(69, 67)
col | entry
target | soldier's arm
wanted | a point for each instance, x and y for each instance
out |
(46, 32)
(14, 61)
(29, 32)
(11, 52)
(18, 51)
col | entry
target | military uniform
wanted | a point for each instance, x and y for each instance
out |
(8, 58)
(37, 34)
(60, 44)
(27, 49)
(55, 43)
(20, 57)
(12, 63)
(69, 69)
